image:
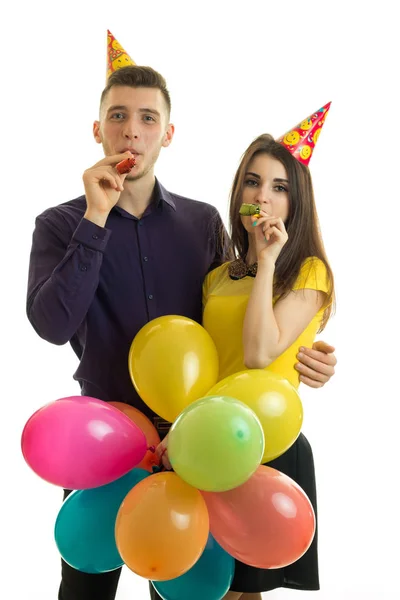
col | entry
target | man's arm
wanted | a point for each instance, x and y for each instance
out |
(317, 365)
(63, 276)
(65, 266)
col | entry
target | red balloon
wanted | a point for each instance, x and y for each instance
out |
(268, 522)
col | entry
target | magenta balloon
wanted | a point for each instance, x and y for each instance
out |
(81, 442)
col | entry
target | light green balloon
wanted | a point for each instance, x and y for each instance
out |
(216, 443)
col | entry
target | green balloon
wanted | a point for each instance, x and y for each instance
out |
(216, 443)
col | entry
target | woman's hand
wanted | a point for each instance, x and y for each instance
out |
(271, 236)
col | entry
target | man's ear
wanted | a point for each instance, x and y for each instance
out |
(96, 132)
(169, 134)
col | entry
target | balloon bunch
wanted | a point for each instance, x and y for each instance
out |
(180, 529)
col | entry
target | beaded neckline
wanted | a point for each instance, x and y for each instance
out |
(239, 268)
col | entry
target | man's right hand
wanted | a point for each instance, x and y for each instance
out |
(103, 187)
(162, 453)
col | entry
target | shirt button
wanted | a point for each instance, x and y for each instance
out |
(140, 223)
(95, 237)
(83, 267)
(145, 258)
(150, 296)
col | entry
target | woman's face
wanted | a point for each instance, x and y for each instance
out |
(266, 184)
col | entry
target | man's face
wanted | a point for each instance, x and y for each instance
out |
(134, 119)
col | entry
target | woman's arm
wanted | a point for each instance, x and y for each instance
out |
(269, 330)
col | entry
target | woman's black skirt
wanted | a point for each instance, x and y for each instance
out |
(297, 463)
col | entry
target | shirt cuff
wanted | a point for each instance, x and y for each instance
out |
(91, 235)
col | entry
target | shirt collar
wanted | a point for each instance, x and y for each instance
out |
(160, 193)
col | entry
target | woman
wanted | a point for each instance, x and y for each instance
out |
(261, 307)
(272, 299)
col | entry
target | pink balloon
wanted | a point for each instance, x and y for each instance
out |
(268, 522)
(81, 442)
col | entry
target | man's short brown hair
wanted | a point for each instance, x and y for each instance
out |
(136, 77)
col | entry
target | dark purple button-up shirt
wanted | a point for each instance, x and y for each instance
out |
(96, 287)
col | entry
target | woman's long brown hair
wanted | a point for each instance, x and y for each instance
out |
(304, 238)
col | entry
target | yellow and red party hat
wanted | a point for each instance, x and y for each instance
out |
(301, 139)
(116, 55)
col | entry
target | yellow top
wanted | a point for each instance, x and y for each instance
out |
(224, 306)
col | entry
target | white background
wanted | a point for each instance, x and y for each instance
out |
(234, 72)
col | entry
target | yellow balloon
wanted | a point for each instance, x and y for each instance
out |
(172, 362)
(275, 402)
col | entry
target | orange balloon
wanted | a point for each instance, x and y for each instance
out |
(162, 527)
(152, 438)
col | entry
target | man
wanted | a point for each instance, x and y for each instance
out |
(126, 252)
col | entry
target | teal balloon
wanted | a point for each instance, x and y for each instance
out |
(84, 529)
(210, 578)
